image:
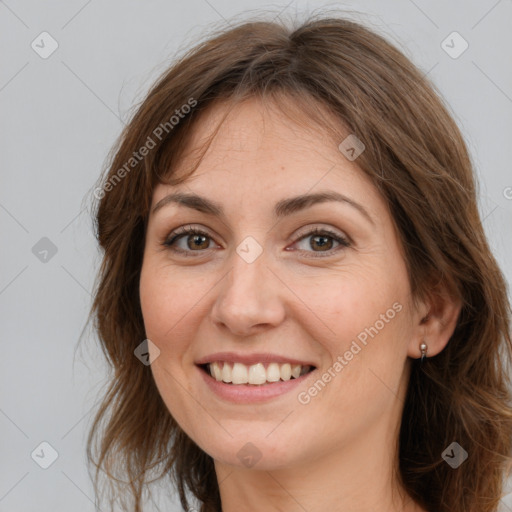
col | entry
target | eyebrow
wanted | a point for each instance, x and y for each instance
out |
(282, 208)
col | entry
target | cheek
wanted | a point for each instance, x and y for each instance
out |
(173, 301)
(168, 312)
(164, 299)
(362, 316)
(346, 302)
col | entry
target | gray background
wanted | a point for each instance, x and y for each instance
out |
(59, 117)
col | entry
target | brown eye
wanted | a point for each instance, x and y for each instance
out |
(323, 239)
(196, 240)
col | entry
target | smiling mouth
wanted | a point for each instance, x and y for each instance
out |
(257, 374)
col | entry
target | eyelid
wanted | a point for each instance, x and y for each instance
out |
(308, 231)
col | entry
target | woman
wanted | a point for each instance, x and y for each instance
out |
(297, 296)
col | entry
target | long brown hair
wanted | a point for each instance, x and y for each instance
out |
(418, 160)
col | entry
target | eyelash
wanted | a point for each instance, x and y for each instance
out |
(188, 230)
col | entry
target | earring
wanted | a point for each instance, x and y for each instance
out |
(423, 348)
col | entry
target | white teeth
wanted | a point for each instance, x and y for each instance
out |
(296, 371)
(239, 374)
(226, 373)
(255, 374)
(286, 371)
(215, 371)
(273, 372)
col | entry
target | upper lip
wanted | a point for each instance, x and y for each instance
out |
(249, 359)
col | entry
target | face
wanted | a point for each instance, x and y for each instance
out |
(321, 284)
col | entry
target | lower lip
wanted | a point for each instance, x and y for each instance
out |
(250, 393)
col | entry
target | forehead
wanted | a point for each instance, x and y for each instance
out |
(259, 129)
(260, 152)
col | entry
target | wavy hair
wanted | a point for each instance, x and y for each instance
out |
(416, 157)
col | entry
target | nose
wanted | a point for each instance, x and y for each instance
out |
(250, 298)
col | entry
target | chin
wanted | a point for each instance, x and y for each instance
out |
(253, 452)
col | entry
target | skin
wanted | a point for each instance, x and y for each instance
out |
(337, 451)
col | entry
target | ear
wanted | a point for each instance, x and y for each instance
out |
(435, 321)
